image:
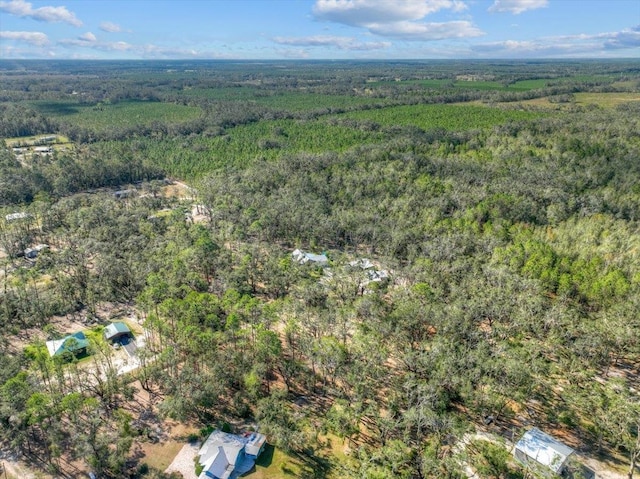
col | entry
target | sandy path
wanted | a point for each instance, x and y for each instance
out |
(14, 468)
(183, 462)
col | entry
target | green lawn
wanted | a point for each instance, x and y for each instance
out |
(606, 100)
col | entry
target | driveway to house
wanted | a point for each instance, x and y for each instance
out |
(131, 347)
(183, 462)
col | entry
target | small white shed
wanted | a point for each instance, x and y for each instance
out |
(542, 451)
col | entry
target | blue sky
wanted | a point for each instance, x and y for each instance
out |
(319, 29)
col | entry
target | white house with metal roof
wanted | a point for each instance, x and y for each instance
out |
(228, 456)
(545, 453)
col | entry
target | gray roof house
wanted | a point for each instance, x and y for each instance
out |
(303, 258)
(545, 453)
(20, 215)
(228, 456)
(32, 253)
(116, 330)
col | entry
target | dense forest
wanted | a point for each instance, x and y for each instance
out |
(481, 223)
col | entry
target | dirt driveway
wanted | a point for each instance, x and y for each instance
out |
(183, 462)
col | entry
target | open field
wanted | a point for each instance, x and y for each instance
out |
(118, 115)
(35, 140)
(606, 100)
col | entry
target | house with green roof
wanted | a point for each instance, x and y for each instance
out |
(116, 331)
(75, 344)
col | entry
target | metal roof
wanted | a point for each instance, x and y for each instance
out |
(70, 343)
(303, 258)
(114, 329)
(545, 449)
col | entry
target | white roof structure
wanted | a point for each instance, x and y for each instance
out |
(33, 252)
(304, 258)
(543, 449)
(219, 454)
(254, 444)
(17, 216)
(224, 456)
(363, 263)
(378, 275)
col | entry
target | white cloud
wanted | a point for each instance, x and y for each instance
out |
(88, 37)
(47, 14)
(84, 41)
(397, 18)
(110, 27)
(128, 50)
(517, 6)
(32, 38)
(427, 31)
(343, 43)
(364, 12)
(624, 39)
(582, 45)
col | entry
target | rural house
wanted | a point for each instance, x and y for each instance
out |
(32, 253)
(116, 331)
(21, 215)
(228, 456)
(120, 194)
(303, 258)
(75, 344)
(544, 453)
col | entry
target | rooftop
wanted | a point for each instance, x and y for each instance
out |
(115, 329)
(71, 343)
(544, 449)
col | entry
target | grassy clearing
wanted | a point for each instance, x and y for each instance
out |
(276, 464)
(52, 139)
(273, 463)
(606, 100)
(160, 455)
(524, 85)
(626, 84)
(118, 115)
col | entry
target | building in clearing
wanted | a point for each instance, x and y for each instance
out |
(228, 456)
(75, 344)
(32, 253)
(116, 331)
(121, 194)
(21, 215)
(303, 258)
(542, 452)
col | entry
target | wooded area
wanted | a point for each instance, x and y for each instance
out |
(504, 214)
